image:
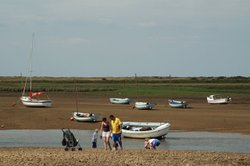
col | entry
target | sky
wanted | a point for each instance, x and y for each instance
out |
(101, 38)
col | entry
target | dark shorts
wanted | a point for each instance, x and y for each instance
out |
(93, 144)
(117, 137)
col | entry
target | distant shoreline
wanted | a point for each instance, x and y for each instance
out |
(197, 79)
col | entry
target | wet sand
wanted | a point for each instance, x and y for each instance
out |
(200, 116)
(57, 156)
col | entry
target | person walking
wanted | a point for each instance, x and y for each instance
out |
(116, 131)
(94, 138)
(105, 133)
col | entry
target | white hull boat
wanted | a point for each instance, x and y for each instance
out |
(215, 99)
(84, 117)
(30, 102)
(145, 129)
(119, 100)
(177, 104)
(33, 99)
(80, 116)
(144, 105)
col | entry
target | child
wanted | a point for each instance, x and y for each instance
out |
(94, 138)
(151, 143)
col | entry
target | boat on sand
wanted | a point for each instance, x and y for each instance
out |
(119, 100)
(84, 117)
(144, 105)
(177, 104)
(216, 99)
(33, 99)
(80, 116)
(145, 129)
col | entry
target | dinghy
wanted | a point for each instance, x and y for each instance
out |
(144, 105)
(145, 129)
(177, 104)
(80, 116)
(84, 117)
(119, 100)
(216, 99)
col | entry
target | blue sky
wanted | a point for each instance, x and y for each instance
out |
(120, 38)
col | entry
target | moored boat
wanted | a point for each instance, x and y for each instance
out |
(31, 102)
(144, 105)
(145, 129)
(33, 99)
(84, 117)
(119, 100)
(216, 99)
(177, 104)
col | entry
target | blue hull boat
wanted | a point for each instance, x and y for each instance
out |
(177, 104)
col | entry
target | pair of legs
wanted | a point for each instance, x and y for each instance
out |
(106, 142)
(94, 145)
(117, 139)
(105, 138)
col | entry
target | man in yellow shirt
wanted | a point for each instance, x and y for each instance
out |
(116, 130)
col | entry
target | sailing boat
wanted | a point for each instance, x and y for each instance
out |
(33, 99)
(80, 116)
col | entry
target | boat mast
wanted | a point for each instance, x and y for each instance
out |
(76, 97)
(31, 53)
(136, 86)
(24, 88)
(30, 67)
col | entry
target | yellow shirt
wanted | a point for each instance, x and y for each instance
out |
(116, 126)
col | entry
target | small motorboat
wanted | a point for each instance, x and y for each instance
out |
(145, 129)
(177, 104)
(119, 100)
(84, 117)
(216, 99)
(144, 105)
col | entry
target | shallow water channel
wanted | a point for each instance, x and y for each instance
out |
(175, 140)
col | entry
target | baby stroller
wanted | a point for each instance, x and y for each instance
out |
(69, 140)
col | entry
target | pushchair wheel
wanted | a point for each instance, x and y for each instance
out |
(73, 149)
(80, 149)
(66, 149)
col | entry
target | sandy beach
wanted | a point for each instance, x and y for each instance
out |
(57, 156)
(200, 116)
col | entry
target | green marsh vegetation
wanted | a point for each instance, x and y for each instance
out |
(179, 87)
